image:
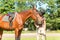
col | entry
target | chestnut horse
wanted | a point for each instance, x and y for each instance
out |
(18, 22)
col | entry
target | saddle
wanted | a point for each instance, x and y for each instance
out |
(9, 18)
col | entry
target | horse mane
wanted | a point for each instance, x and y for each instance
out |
(24, 11)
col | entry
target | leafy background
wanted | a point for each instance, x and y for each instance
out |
(52, 17)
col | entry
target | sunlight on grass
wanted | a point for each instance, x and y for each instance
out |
(12, 32)
(33, 38)
(53, 38)
(54, 31)
(8, 39)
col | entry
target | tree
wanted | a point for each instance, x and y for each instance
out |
(53, 18)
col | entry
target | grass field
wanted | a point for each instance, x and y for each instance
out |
(12, 32)
(32, 38)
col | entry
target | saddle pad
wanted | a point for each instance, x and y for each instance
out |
(5, 18)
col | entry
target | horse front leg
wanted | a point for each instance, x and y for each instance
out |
(1, 32)
(17, 34)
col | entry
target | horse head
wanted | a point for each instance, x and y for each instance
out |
(36, 15)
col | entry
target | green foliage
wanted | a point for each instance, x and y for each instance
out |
(6, 5)
(30, 24)
(12, 6)
(52, 19)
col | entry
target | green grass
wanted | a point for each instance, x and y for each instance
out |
(12, 32)
(53, 38)
(54, 31)
(7, 38)
(32, 38)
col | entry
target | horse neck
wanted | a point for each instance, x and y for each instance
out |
(33, 14)
(25, 15)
